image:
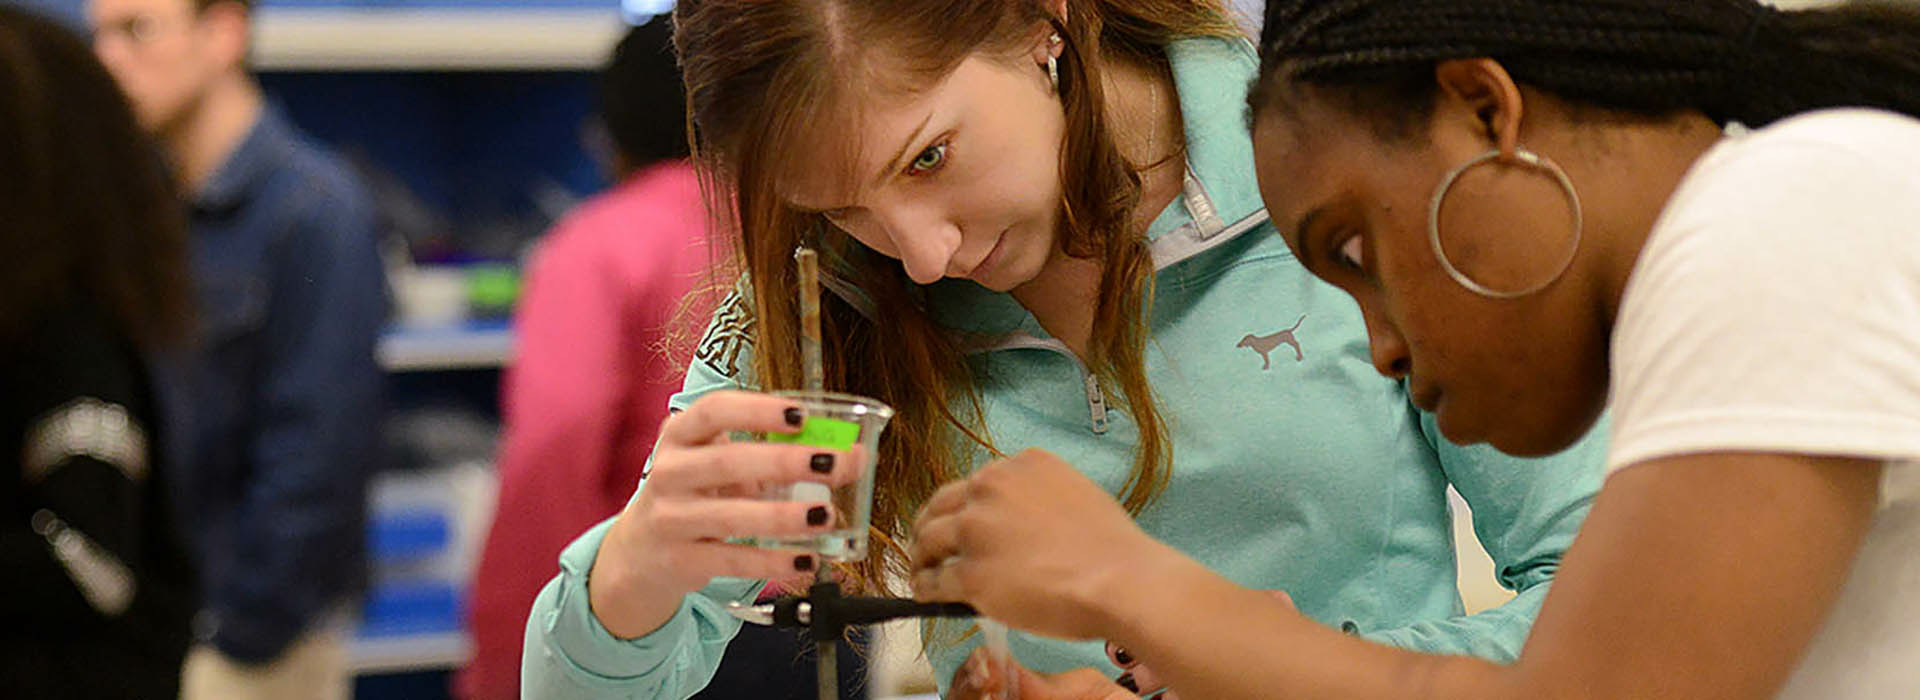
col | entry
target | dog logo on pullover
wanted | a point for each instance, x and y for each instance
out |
(1265, 344)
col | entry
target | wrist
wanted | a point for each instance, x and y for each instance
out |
(1131, 595)
(623, 602)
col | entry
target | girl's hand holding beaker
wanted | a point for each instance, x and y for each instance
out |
(703, 489)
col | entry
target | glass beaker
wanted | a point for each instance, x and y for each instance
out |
(836, 422)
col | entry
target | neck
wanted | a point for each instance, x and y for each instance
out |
(1143, 109)
(212, 129)
(1658, 158)
(1143, 114)
(1063, 299)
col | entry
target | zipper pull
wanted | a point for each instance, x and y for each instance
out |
(1096, 404)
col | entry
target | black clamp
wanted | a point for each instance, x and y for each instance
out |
(827, 614)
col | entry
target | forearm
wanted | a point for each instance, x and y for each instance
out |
(628, 607)
(293, 569)
(1496, 634)
(298, 543)
(299, 532)
(1210, 638)
(1609, 630)
(303, 516)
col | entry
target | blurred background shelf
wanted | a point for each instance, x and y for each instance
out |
(471, 346)
(382, 655)
(312, 38)
(442, 35)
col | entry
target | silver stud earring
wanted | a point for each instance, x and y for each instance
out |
(1053, 63)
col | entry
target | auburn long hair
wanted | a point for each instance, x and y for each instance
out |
(763, 76)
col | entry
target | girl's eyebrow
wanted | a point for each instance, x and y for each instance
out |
(893, 164)
(888, 168)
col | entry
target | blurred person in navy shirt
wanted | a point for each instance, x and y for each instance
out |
(282, 394)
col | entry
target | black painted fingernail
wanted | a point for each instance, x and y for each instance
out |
(1126, 681)
(795, 417)
(803, 563)
(817, 516)
(821, 463)
(1122, 657)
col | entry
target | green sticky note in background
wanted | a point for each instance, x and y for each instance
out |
(818, 431)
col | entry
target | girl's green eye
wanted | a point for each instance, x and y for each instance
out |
(929, 160)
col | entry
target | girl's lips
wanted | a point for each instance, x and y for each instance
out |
(987, 264)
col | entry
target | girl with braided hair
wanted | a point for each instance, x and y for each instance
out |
(1704, 215)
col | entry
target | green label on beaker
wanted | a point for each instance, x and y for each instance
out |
(820, 431)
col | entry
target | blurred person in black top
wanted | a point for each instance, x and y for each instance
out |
(98, 593)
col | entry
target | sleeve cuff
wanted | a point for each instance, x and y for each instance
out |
(578, 637)
(1496, 634)
(584, 643)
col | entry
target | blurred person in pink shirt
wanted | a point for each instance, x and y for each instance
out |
(609, 290)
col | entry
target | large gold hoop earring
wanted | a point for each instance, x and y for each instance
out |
(1530, 159)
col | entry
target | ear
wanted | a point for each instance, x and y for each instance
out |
(1480, 91)
(229, 30)
(1044, 47)
(1052, 49)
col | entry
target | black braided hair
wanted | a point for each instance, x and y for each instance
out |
(1734, 60)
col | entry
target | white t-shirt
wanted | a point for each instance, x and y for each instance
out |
(1776, 308)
